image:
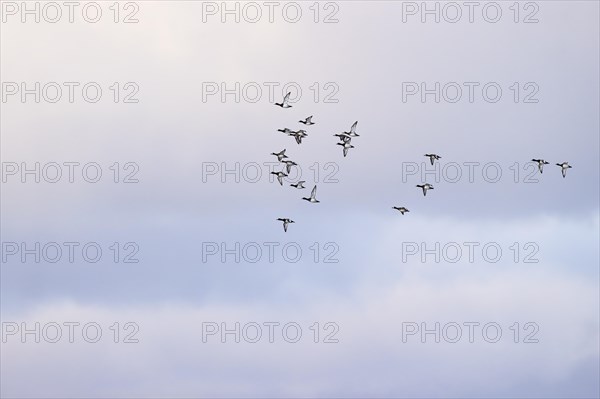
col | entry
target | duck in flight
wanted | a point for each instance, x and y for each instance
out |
(285, 221)
(280, 155)
(280, 176)
(285, 102)
(401, 209)
(347, 146)
(313, 196)
(299, 135)
(540, 164)
(299, 185)
(352, 132)
(343, 137)
(285, 130)
(288, 165)
(308, 121)
(433, 157)
(425, 187)
(564, 166)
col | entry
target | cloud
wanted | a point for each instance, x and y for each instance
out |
(370, 358)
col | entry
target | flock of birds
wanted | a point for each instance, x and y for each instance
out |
(345, 137)
(434, 157)
(345, 141)
(563, 166)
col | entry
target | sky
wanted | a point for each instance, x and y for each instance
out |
(140, 251)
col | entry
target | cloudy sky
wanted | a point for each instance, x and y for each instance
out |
(137, 200)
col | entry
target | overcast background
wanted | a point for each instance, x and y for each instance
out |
(177, 132)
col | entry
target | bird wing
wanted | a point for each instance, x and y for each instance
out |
(353, 128)
(286, 98)
(313, 193)
(345, 151)
(285, 225)
(309, 119)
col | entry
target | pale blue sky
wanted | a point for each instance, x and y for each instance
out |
(170, 133)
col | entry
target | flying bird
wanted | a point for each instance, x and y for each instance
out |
(313, 196)
(540, 164)
(425, 187)
(285, 221)
(352, 132)
(300, 184)
(280, 176)
(564, 166)
(308, 121)
(343, 137)
(280, 155)
(401, 209)
(347, 146)
(433, 157)
(288, 165)
(285, 130)
(285, 102)
(299, 135)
